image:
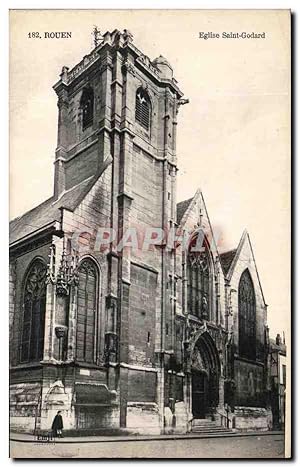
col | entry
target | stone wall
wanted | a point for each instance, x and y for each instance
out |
(142, 316)
(181, 418)
(142, 418)
(98, 418)
(25, 400)
(252, 419)
(56, 396)
(249, 384)
(92, 213)
(141, 385)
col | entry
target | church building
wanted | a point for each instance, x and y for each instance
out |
(166, 339)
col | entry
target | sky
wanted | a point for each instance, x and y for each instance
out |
(233, 138)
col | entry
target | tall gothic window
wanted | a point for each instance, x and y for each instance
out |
(247, 317)
(198, 275)
(87, 106)
(87, 313)
(34, 306)
(143, 108)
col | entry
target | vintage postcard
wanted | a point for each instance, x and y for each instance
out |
(150, 188)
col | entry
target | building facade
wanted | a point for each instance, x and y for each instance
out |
(277, 372)
(110, 321)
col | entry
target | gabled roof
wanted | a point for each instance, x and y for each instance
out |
(234, 261)
(44, 213)
(181, 208)
(277, 347)
(50, 210)
(237, 253)
(185, 208)
(226, 259)
(33, 220)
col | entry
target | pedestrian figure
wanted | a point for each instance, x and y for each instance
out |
(57, 425)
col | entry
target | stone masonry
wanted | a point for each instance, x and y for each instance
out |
(156, 366)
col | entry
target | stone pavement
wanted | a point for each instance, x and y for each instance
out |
(240, 446)
(28, 438)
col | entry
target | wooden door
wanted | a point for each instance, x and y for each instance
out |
(199, 394)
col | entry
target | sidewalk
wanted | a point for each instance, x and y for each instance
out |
(27, 438)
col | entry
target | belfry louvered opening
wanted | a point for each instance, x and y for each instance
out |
(87, 106)
(143, 108)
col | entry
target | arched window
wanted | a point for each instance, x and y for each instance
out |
(34, 306)
(198, 280)
(247, 317)
(87, 311)
(142, 108)
(87, 106)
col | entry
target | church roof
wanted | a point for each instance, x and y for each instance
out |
(281, 347)
(226, 259)
(181, 208)
(45, 213)
(50, 210)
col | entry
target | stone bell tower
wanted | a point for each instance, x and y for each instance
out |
(117, 102)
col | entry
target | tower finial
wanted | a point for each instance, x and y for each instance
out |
(97, 36)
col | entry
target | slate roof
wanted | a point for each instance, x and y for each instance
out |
(279, 348)
(49, 211)
(181, 208)
(45, 213)
(226, 259)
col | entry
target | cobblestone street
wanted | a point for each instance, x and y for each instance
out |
(271, 446)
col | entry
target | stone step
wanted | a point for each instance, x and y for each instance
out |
(204, 422)
(208, 426)
(205, 426)
(211, 430)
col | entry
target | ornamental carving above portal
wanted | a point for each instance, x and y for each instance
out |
(197, 361)
(195, 330)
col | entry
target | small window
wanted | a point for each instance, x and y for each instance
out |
(142, 108)
(284, 375)
(87, 106)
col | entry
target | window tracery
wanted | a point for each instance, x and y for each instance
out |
(34, 306)
(247, 317)
(199, 282)
(87, 313)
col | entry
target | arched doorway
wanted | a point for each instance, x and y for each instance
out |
(205, 370)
